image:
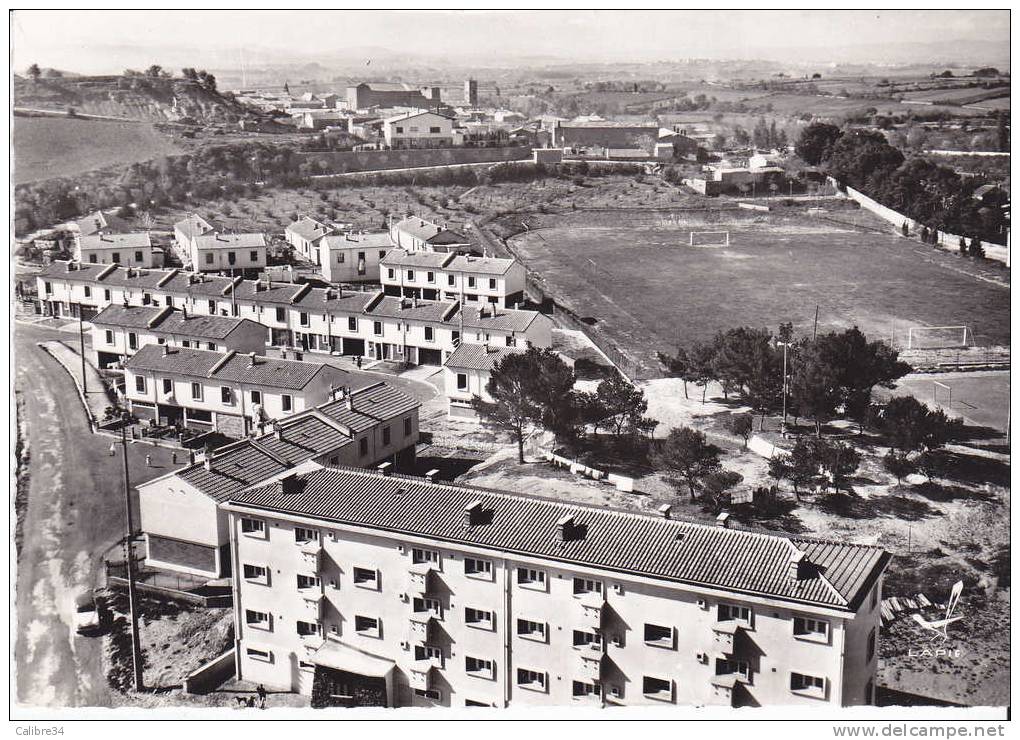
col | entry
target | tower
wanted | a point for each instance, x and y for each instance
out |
(471, 92)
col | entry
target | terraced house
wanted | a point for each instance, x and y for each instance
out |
(217, 252)
(185, 527)
(449, 276)
(135, 250)
(120, 331)
(415, 234)
(223, 391)
(366, 589)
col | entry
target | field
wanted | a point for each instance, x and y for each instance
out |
(61, 147)
(634, 276)
(981, 398)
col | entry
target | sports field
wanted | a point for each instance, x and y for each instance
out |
(636, 276)
(980, 398)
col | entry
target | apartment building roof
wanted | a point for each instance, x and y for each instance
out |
(309, 229)
(429, 232)
(230, 241)
(448, 261)
(403, 258)
(416, 114)
(165, 320)
(406, 308)
(228, 366)
(826, 574)
(360, 240)
(478, 356)
(193, 225)
(295, 440)
(116, 241)
(486, 265)
(489, 316)
(99, 221)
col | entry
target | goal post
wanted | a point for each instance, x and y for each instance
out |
(939, 337)
(944, 390)
(710, 238)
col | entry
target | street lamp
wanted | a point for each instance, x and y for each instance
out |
(136, 652)
(784, 345)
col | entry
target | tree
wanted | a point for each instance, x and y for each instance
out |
(932, 463)
(963, 247)
(910, 426)
(189, 73)
(898, 465)
(622, 404)
(715, 489)
(839, 460)
(741, 426)
(815, 142)
(976, 249)
(153, 71)
(687, 457)
(678, 365)
(34, 72)
(700, 366)
(814, 383)
(800, 466)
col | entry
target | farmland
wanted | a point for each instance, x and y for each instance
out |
(61, 147)
(635, 278)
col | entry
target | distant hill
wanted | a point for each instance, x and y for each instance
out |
(140, 98)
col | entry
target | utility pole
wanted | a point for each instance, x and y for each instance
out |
(814, 332)
(81, 342)
(785, 386)
(136, 652)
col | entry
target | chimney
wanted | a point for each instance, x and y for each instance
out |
(472, 513)
(278, 431)
(251, 359)
(723, 520)
(384, 468)
(565, 528)
(414, 301)
(666, 511)
(431, 475)
(796, 565)
(350, 399)
(184, 313)
(166, 350)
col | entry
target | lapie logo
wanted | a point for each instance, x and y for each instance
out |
(939, 628)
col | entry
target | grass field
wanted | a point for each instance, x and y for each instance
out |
(61, 147)
(649, 290)
(981, 398)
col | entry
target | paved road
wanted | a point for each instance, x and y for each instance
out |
(75, 512)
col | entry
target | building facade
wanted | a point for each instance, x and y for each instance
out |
(352, 257)
(418, 130)
(134, 250)
(381, 590)
(449, 276)
(216, 252)
(466, 374)
(415, 234)
(305, 234)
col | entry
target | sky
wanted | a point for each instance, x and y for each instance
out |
(107, 41)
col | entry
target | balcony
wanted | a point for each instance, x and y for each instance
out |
(592, 605)
(725, 636)
(311, 555)
(418, 578)
(421, 674)
(591, 663)
(420, 627)
(312, 604)
(726, 689)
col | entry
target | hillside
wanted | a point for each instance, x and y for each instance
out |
(138, 97)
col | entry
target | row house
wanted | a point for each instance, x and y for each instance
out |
(448, 276)
(120, 331)
(217, 252)
(181, 515)
(225, 392)
(466, 374)
(305, 234)
(187, 230)
(384, 590)
(415, 234)
(98, 222)
(135, 250)
(352, 257)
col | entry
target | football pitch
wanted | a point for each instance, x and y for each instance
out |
(636, 277)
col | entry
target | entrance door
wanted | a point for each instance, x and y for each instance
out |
(335, 688)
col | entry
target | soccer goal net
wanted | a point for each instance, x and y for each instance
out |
(939, 337)
(710, 239)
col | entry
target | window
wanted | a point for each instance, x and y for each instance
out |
(263, 655)
(281, 314)
(210, 346)
(385, 436)
(657, 688)
(256, 619)
(366, 576)
(366, 626)
(430, 334)
(286, 402)
(814, 685)
(302, 535)
(425, 604)
(168, 386)
(428, 652)
(170, 301)
(807, 627)
(305, 629)
(303, 318)
(478, 618)
(377, 328)
(530, 576)
(196, 391)
(160, 340)
(580, 688)
(363, 446)
(109, 337)
(107, 296)
(140, 384)
(729, 612)
(656, 634)
(88, 291)
(255, 573)
(421, 555)
(531, 630)
(49, 288)
(256, 396)
(212, 308)
(227, 395)
(492, 283)
(115, 257)
(451, 280)
(479, 667)
(476, 567)
(471, 281)
(871, 644)
(473, 703)
(382, 253)
(138, 256)
(232, 258)
(340, 258)
(725, 667)
(400, 129)
(253, 256)
(510, 341)
(132, 340)
(93, 259)
(208, 258)
(407, 426)
(390, 273)
(352, 323)
(587, 586)
(582, 638)
(252, 526)
(410, 276)
(185, 343)
(530, 679)
(434, 130)
(462, 383)
(430, 277)
(304, 581)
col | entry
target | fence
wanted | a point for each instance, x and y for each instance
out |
(181, 586)
(945, 239)
(396, 159)
(207, 677)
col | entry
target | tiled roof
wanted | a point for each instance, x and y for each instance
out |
(116, 241)
(478, 356)
(309, 229)
(170, 321)
(610, 124)
(448, 261)
(403, 258)
(416, 114)
(500, 319)
(834, 575)
(239, 368)
(99, 221)
(370, 404)
(129, 317)
(356, 240)
(405, 308)
(484, 265)
(230, 241)
(193, 225)
(429, 232)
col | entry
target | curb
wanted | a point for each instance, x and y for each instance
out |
(77, 385)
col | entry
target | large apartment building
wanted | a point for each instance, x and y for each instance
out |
(449, 276)
(186, 529)
(366, 589)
